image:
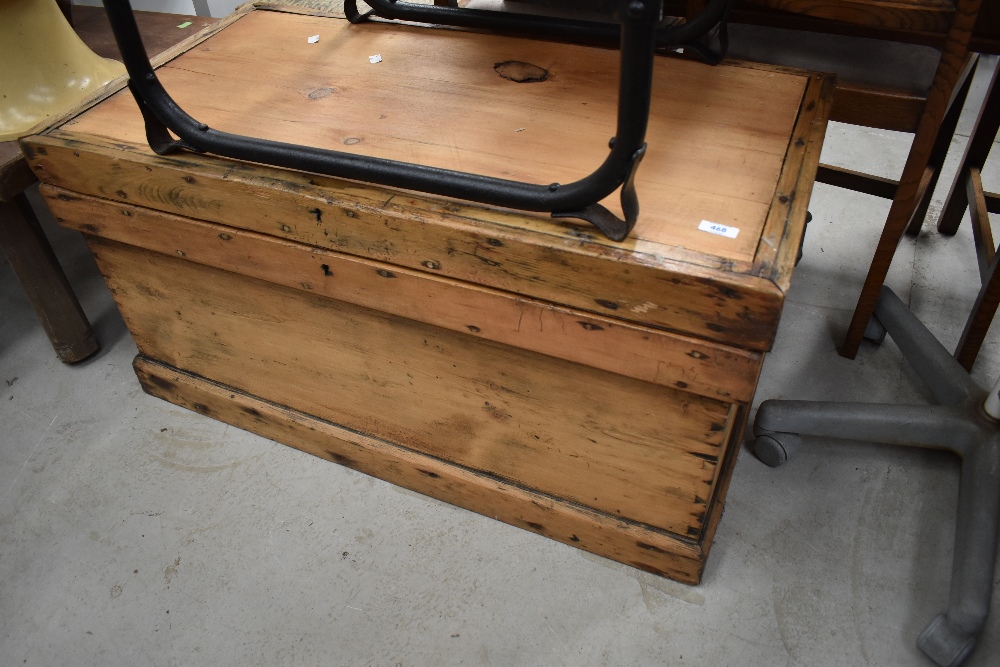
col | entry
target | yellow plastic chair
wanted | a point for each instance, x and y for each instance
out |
(46, 68)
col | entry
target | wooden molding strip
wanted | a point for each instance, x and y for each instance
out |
(648, 549)
(785, 224)
(857, 181)
(680, 362)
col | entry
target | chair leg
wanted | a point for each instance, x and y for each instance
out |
(966, 194)
(941, 145)
(779, 424)
(949, 70)
(892, 234)
(44, 282)
(980, 319)
(976, 152)
(951, 637)
(958, 426)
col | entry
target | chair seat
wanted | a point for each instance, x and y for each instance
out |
(47, 67)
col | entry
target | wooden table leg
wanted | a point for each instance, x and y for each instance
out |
(43, 280)
(979, 321)
(980, 142)
(916, 177)
(942, 143)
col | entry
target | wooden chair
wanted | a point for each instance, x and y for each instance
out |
(967, 193)
(931, 115)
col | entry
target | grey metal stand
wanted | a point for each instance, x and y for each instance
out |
(958, 423)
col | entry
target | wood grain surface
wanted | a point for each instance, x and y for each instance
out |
(159, 30)
(611, 443)
(717, 136)
(525, 368)
(668, 288)
(625, 541)
(691, 282)
(699, 367)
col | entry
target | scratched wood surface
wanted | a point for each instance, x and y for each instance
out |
(699, 367)
(717, 136)
(625, 541)
(528, 369)
(670, 287)
(478, 245)
(611, 443)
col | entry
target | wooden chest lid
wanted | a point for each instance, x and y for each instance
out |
(733, 144)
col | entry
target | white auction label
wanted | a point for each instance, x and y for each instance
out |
(721, 230)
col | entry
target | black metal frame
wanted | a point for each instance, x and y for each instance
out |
(639, 38)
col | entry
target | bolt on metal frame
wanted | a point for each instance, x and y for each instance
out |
(639, 37)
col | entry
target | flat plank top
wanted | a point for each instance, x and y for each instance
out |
(717, 135)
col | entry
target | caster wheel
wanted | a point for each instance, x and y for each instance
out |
(875, 332)
(944, 643)
(773, 449)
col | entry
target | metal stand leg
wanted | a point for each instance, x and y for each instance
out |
(951, 637)
(946, 379)
(959, 424)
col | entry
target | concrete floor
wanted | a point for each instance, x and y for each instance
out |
(133, 532)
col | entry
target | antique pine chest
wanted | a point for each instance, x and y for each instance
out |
(525, 368)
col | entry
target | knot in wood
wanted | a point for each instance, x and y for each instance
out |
(521, 72)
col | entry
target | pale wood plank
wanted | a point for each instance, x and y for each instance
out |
(717, 135)
(637, 281)
(613, 537)
(611, 443)
(706, 369)
(785, 226)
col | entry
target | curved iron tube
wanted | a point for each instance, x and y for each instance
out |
(577, 199)
(542, 27)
